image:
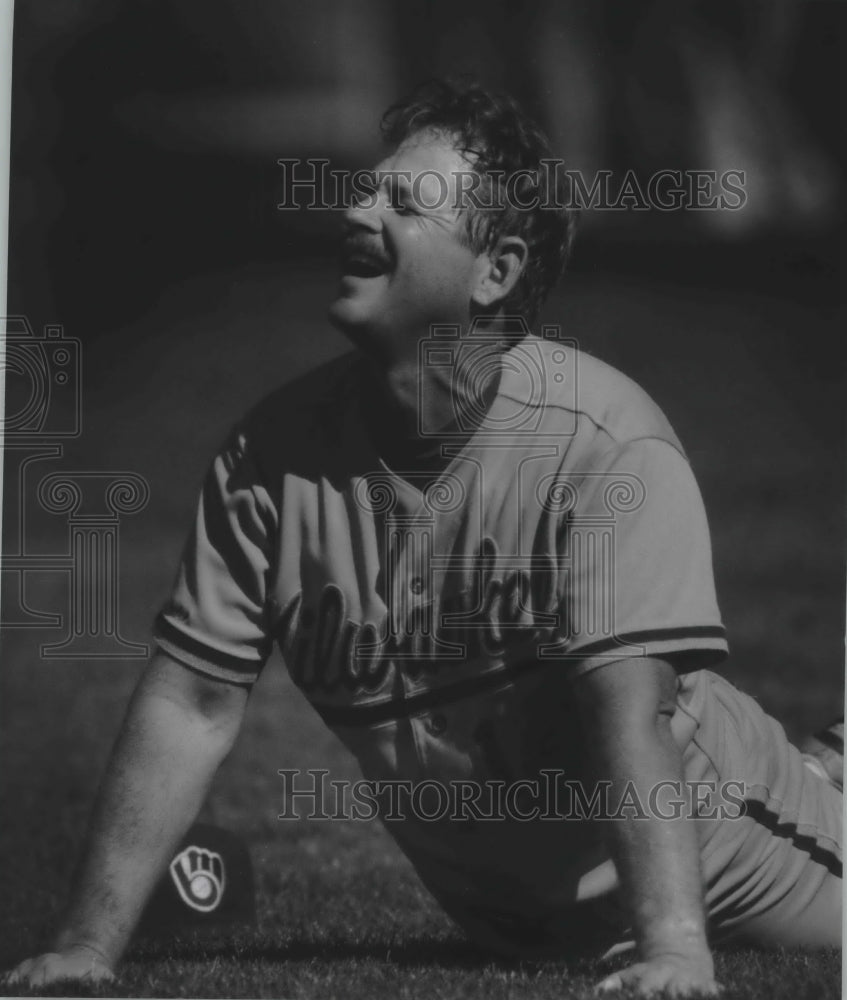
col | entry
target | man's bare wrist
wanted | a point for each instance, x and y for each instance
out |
(69, 942)
(682, 937)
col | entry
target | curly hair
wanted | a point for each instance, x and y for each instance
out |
(504, 148)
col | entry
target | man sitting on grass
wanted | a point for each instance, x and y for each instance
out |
(487, 564)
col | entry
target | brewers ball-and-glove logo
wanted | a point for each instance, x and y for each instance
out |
(199, 877)
(207, 885)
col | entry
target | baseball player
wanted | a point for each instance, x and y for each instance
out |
(486, 561)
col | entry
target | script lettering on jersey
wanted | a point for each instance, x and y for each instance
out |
(485, 607)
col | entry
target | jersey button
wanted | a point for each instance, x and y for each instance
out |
(436, 724)
(416, 585)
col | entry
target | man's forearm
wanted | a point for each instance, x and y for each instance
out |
(160, 770)
(658, 860)
(626, 708)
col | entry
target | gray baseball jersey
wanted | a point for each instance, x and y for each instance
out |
(435, 621)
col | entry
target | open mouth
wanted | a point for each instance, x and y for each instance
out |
(362, 264)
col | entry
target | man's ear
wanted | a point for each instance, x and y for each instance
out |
(500, 269)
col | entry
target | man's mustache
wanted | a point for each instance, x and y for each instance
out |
(363, 248)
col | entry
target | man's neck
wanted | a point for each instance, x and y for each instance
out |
(423, 399)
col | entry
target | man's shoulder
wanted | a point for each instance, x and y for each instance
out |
(595, 392)
(295, 426)
(310, 394)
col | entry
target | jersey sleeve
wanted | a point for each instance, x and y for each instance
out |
(216, 619)
(638, 561)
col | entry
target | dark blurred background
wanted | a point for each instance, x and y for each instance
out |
(146, 133)
(145, 141)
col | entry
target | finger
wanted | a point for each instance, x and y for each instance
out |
(19, 972)
(92, 972)
(32, 970)
(38, 973)
(637, 976)
(713, 990)
(98, 967)
(610, 984)
(681, 988)
(98, 973)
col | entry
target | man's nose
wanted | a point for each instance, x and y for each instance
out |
(365, 212)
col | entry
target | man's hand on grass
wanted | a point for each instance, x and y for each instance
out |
(670, 975)
(79, 963)
(179, 726)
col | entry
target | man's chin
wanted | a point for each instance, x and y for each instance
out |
(353, 323)
(343, 313)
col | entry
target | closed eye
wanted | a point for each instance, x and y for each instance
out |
(365, 190)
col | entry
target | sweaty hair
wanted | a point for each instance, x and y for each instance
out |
(500, 142)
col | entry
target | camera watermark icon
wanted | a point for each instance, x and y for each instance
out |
(533, 372)
(43, 383)
(43, 374)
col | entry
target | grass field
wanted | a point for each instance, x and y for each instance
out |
(752, 387)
